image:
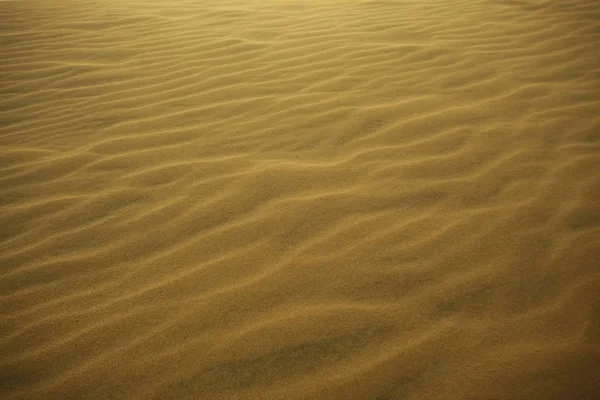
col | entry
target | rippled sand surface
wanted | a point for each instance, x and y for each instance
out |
(286, 199)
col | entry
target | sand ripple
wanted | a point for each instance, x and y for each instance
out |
(300, 199)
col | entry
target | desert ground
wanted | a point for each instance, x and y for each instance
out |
(300, 199)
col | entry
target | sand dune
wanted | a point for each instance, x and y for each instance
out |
(297, 199)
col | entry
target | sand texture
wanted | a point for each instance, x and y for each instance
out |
(288, 199)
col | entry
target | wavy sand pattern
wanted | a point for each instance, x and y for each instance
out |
(282, 199)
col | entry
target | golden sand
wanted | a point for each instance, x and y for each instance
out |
(291, 199)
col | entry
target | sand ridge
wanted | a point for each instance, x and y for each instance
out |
(299, 199)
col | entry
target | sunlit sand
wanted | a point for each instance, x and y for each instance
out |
(294, 199)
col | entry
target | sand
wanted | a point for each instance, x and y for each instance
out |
(290, 199)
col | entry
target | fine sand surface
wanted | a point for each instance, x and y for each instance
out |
(291, 199)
